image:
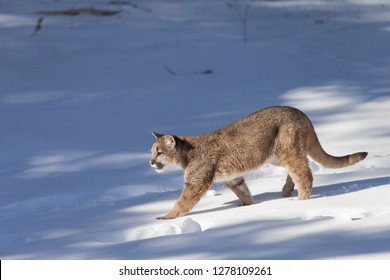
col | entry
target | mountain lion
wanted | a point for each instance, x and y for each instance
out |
(278, 135)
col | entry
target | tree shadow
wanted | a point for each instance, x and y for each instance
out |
(349, 187)
(318, 192)
(251, 240)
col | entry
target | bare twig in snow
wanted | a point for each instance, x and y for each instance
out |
(38, 26)
(170, 71)
(243, 15)
(131, 4)
(75, 12)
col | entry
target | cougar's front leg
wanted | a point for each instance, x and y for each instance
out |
(239, 187)
(191, 194)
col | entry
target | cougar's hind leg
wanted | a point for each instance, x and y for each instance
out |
(239, 187)
(300, 173)
(288, 187)
(291, 150)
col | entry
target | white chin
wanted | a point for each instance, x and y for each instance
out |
(161, 170)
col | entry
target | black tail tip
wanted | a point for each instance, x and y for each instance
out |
(363, 155)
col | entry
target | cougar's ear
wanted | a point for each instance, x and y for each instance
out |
(169, 141)
(157, 135)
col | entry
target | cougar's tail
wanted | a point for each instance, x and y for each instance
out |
(317, 153)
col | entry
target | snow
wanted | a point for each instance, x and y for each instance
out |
(190, 226)
(79, 99)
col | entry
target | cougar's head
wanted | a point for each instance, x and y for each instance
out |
(164, 152)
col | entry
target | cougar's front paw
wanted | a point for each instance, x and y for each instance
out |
(166, 217)
(170, 216)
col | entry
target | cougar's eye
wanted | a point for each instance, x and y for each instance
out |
(159, 154)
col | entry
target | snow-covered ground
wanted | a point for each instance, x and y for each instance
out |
(79, 98)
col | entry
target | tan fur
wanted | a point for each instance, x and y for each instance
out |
(282, 135)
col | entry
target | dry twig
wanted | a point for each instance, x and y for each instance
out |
(38, 26)
(75, 12)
